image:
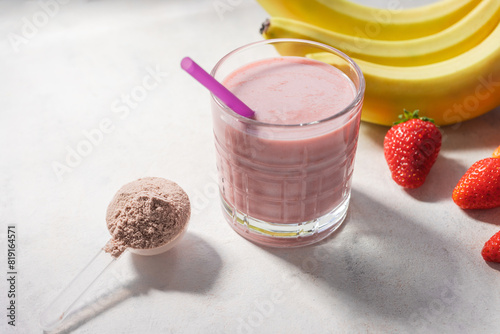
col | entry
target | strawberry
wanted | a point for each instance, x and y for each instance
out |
(411, 148)
(479, 188)
(491, 249)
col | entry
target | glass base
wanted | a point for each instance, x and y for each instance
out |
(285, 235)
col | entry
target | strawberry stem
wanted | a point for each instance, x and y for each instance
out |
(407, 115)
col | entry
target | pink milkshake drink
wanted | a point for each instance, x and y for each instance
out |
(285, 175)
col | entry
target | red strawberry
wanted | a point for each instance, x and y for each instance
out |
(479, 188)
(411, 147)
(491, 249)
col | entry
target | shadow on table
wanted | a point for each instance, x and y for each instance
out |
(473, 134)
(381, 261)
(494, 265)
(192, 266)
(440, 182)
(491, 216)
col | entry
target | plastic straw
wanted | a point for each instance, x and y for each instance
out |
(216, 88)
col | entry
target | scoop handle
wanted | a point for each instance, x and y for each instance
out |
(57, 311)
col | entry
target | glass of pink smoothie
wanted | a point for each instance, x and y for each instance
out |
(285, 175)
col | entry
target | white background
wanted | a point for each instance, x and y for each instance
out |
(404, 261)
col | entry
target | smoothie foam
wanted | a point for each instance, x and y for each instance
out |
(291, 90)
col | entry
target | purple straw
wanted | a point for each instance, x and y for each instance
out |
(216, 88)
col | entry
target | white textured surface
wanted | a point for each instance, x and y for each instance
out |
(404, 262)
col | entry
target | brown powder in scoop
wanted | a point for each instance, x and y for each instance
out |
(146, 213)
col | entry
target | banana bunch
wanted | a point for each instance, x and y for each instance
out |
(443, 58)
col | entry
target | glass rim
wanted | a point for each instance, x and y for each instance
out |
(356, 101)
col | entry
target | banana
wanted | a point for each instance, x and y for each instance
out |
(450, 91)
(456, 39)
(353, 19)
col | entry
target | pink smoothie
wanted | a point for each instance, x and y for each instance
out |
(276, 170)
